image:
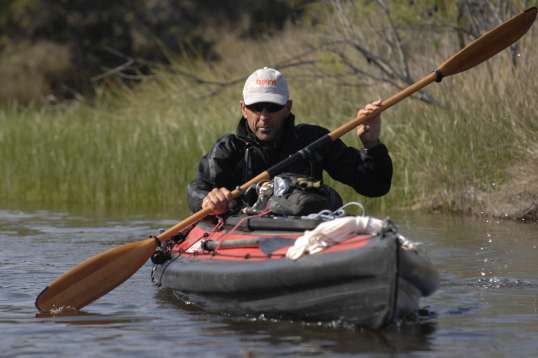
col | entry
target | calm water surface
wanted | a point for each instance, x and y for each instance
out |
(486, 307)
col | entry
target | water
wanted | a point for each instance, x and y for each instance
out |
(486, 307)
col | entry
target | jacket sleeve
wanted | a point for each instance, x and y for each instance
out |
(216, 169)
(369, 172)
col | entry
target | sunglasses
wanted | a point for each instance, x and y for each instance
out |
(268, 106)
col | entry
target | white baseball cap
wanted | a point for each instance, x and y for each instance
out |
(266, 85)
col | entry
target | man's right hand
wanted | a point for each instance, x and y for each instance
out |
(217, 200)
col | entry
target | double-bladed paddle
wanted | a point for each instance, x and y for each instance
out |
(99, 274)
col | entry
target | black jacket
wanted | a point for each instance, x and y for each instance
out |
(236, 158)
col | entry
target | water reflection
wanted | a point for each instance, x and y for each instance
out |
(395, 339)
(82, 318)
(412, 335)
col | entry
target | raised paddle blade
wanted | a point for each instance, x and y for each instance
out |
(95, 277)
(489, 44)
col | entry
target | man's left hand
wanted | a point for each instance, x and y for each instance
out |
(369, 132)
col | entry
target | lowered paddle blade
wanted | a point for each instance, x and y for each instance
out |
(95, 277)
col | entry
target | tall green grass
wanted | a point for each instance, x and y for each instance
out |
(103, 157)
(137, 149)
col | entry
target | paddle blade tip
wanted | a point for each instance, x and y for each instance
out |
(46, 306)
(531, 13)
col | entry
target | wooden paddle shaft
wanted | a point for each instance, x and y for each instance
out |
(389, 102)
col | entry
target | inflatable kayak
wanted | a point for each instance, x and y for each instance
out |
(270, 266)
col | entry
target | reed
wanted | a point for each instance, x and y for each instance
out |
(101, 157)
(137, 149)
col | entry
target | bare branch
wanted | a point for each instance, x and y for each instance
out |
(114, 71)
(390, 67)
(398, 43)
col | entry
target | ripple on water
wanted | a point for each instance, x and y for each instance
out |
(495, 282)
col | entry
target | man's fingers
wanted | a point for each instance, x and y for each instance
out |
(219, 197)
(367, 110)
(372, 106)
(217, 200)
(227, 194)
(207, 203)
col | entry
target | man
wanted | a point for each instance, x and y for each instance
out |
(267, 134)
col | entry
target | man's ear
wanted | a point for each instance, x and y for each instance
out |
(243, 108)
(289, 105)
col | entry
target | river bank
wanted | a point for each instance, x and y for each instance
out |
(516, 199)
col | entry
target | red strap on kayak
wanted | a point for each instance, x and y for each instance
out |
(223, 236)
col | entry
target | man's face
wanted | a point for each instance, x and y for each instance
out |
(265, 119)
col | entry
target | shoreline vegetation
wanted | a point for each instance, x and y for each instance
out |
(135, 149)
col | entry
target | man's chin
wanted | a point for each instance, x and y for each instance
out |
(266, 136)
